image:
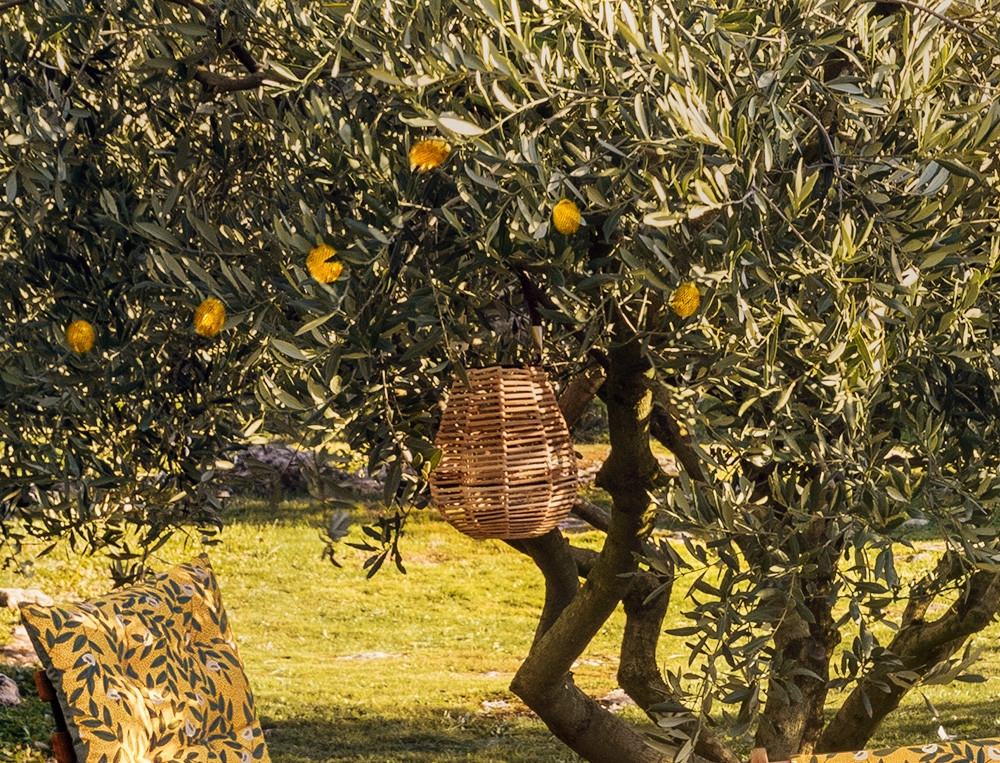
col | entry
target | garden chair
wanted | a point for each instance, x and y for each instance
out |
(62, 742)
(148, 673)
(975, 751)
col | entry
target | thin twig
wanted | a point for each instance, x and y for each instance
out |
(832, 152)
(239, 51)
(630, 328)
(221, 83)
(759, 194)
(7, 4)
(950, 22)
(444, 329)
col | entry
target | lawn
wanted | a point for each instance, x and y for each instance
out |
(408, 667)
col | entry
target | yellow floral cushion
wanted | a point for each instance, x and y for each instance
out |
(150, 673)
(978, 751)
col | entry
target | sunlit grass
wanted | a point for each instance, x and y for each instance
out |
(399, 667)
(343, 668)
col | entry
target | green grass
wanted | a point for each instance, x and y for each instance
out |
(449, 636)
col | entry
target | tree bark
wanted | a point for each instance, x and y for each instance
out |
(551, 554)
(544, 680)
(639, 673)
(588, 729)
(593, 514)
(579, 393)
(918, 647)
(792, 721)
(572, 615)
(223, 83)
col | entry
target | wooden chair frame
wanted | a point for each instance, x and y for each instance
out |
(62, 742)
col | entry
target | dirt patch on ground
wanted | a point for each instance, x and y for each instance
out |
(613, 701)
(432, 554)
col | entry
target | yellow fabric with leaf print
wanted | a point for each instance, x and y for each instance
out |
(976, 751)
(150, 673)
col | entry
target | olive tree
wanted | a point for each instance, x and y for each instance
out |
(764, 234)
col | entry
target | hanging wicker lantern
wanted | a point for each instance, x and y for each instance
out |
(507, 468)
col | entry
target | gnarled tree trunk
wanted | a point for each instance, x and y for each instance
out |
(544, 680)
(792, 720)
(918, 646)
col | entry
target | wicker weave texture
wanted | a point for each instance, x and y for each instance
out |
(507, 468)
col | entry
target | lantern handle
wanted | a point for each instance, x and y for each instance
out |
(532, 296)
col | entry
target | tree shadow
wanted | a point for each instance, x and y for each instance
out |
(915, 724)
(334, 734)
(349, 734)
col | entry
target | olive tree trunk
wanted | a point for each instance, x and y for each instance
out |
(544, 680)
(792, 720)
(918, 646)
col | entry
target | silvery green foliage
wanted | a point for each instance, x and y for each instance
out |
(827, 175)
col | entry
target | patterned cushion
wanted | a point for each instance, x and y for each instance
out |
(150, 673)
(976, 751)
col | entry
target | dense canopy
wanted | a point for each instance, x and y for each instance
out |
(764, 233)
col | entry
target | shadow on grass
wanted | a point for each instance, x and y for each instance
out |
(358, 736)
(341, 734)
(331, 734)
(300, 510)
(25, 726)
(914, 724)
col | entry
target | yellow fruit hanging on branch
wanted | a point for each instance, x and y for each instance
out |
(428, 154)
(686, 299)
(209, 317)
(566, 217)
(320, 265)
(80, 336)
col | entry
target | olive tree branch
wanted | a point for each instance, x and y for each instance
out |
(244, 56)
(239, 51)
(950, 22)
(222, 83)
(665, 426)
(830, 149)
(592, 514)
(784, 218)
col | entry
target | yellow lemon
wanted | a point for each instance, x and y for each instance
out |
(209, 317)
(428, 154)
(566, 217)
(320, 266)
(686, 299)
(80, 336)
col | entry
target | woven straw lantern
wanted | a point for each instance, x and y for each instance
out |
(507, 468)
